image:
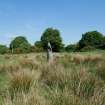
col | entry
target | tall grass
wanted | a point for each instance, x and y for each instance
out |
(68, 80)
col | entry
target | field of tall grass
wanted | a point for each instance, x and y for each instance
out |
(71, 79)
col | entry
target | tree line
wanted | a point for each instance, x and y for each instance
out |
(90, 41)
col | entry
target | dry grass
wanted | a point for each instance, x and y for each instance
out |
(66, 81)
(95, 58)
(101, 70)
(7, 57)
(32, 97)
(22, 80)
(78, 59)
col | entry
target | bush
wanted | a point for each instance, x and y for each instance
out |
(93, 38)
(70, 48)
(3, 49)
(38, 46)
(25, 47)
(87, 48)
(20, 45)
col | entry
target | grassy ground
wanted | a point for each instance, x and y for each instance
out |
(70, 79)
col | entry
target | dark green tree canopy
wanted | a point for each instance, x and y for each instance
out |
(21, 44)
(93, 38)
(3, 49)
(38, 46)
(53, 36)
(25, 47)
(71, 48)
(18, 41)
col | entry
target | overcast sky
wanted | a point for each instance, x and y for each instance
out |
(30, 18)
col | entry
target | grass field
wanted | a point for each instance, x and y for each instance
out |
(71, 79)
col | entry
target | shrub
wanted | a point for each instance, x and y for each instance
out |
(93, 38)
(20, 45)
(3, 49)
(87, 48)
(71, 48)
(38, 46)
(25, 47)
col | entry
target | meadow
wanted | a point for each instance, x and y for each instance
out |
(71, 79)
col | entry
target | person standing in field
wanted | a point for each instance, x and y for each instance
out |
(49, 52)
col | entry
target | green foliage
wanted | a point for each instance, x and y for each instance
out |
(103, 45)
(90, 41)
(25, 47)
(3, 49)
(53, 36)
(87, 48)
(71, 48)
(17, 41)
(38, 46)
(93, 38)
(20, 45)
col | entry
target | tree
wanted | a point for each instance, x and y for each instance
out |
(71, 48)
(53, 36)
(93, 38)
(25, 47)
(20, 44)
(38, 46)
(17, 41)
(103, 45)
(3, 49)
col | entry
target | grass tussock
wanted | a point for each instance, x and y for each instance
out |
(26, 63)
(82, 83)
(32, 97)
(21, 81)
(7, 57)
(100, 71)
(78, 59)
(55, 75)
(29, 63)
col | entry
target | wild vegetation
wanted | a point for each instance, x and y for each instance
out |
(90, 41)
(71, 79)
(76, 78)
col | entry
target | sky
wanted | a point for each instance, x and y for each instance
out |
(30, 18)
